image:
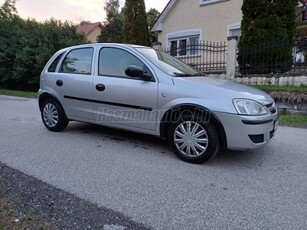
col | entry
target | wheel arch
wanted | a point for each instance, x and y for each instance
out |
(44, 96)
(168, 117)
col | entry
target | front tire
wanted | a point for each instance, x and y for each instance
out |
(194, 140)
(53, 115)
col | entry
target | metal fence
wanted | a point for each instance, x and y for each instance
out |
(300, 56)
(276, 56)
(207, 57)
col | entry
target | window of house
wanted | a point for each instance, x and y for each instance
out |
(173, 47)
(184, 46)
(184, 43)
(78, 61)
(234, 30)
(194, 45)
(114, 62)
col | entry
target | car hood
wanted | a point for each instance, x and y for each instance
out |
(210, 86)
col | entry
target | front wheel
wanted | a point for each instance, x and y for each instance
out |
(53, 115)
(193, 140)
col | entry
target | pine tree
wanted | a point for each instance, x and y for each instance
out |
(112, 28)
(135, 23)
(268, 28)
(152, 16)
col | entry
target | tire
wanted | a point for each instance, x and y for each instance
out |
(193, 140)
(53, 115)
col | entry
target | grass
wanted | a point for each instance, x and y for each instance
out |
(271, 88)
(18, 93)
(292, 119)
(12, 219)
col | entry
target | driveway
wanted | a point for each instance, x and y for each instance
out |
(140, 177)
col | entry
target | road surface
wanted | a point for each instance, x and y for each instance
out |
(138, 175)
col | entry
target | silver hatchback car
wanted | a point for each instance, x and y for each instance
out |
(148, 91)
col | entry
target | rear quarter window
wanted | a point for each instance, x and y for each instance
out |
(54, 64)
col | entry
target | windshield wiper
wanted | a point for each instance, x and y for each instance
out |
(189, 75)
(200, 74)
(182, 74)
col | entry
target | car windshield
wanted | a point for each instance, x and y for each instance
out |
(167, 63)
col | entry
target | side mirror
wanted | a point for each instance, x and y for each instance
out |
(136, 71)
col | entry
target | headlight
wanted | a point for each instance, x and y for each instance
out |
(249, 107)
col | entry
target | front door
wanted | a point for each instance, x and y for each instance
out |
(120, 100)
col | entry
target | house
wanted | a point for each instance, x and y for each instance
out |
(91, 31)
(190, 21)
(183, 24)
(186, 22)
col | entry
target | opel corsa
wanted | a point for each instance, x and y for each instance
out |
(144, 90)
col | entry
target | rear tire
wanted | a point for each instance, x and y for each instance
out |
(53, 115)
(194, 140)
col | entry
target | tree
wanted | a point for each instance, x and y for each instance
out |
(85, 22)
(112, 28)
(268, 28)
(135, 23)
(152, 16)
(8, 9)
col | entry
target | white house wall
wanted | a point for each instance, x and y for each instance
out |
(213, 20)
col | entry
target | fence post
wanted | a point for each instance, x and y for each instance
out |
(231, 57)
(157, 46)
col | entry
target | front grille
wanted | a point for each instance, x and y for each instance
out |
(272, 108)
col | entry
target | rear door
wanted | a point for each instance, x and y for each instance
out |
(73, 83)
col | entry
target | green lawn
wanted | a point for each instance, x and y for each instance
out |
(18, 93)
(270, 88)
(292, 119)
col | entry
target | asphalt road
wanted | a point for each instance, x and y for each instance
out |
(140, 177)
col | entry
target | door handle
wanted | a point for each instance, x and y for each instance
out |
(100, 87)
(59, 83)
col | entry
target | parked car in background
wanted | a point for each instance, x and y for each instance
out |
(140, 89)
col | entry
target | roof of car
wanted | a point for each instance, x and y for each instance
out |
(105, 44)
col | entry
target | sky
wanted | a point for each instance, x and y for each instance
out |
(72, 10)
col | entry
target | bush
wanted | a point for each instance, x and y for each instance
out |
(273, 56)
(27, 45)
(268, 29)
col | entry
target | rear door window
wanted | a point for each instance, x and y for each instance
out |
(78, 61)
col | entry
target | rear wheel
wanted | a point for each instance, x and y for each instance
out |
(53, 115)
(193, 140)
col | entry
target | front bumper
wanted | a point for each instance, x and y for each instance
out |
(248, 132)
